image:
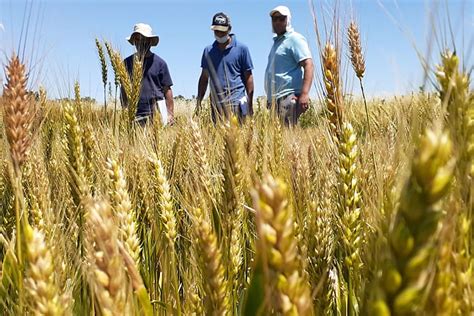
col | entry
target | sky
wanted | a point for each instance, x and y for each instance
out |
(58, 42)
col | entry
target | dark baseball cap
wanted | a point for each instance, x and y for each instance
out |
(220, 22)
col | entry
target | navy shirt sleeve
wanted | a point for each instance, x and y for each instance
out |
(204, 57)
(165, 77)
(246, 59)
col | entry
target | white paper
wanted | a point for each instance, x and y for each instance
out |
(244, 105)
(163, 111)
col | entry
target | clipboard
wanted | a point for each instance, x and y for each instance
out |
(163, 111)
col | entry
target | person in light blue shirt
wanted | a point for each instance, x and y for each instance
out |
(227, 66)
(289, 72)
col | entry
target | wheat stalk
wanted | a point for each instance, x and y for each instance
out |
(166, 214)
(78, 99)
(43, 97)
(215, 283)
(136, 80)
(103, 66)
(113, 62)
(75, 153)
(17, 117)
(350, 208)
(137, 283)
(332, 84)
(120, 72)
(233, 207)
(18, 111)
(40, 284)
(106, 263)
(202, 162)
(413, 248)
(358, 64)
(357, 58)
(120, 202)
(289, 291)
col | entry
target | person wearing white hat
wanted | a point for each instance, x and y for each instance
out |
(156, 81)
(227, 66)
(289, 72)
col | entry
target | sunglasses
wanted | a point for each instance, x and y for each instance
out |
(279, 18)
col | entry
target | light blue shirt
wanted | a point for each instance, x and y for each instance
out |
(284, 75)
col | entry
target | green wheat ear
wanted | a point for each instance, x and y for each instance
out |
(416, 225)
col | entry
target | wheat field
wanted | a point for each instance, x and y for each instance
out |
(364, 208)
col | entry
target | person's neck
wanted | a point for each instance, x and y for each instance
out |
(147, 54)
(226, 44)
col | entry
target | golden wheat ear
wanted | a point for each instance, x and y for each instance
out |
(18, 111)
(40, 279)
(18, 117)
(211, 264)
(288, 290)
(103, 68)
(333, 90)
(122, 206)
(357, 57)
(107, 268)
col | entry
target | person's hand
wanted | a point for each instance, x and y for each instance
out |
(303, 100)
(170, 119)
(250, 104)
(197, 109)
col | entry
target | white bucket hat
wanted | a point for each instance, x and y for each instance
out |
(145, 30)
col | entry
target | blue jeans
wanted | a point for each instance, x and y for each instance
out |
(222, 112)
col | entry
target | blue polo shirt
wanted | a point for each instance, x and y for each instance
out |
(284, 75)
(156, 77)
(227, 70)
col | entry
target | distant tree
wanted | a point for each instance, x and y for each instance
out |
(88, 100)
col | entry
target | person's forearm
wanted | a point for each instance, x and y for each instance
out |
(169, 101)
(202, 87)
(249, 87)
(308, 76)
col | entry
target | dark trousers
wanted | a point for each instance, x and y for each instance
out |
(288, 109)
(146, 112)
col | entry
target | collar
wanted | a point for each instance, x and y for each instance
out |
(280, 37)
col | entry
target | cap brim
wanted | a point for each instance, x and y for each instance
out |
(154, 39)
(219, 28)
(278, 11)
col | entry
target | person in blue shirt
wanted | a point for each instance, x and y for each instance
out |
(156, 81)
(289, 72)
(227, 67)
